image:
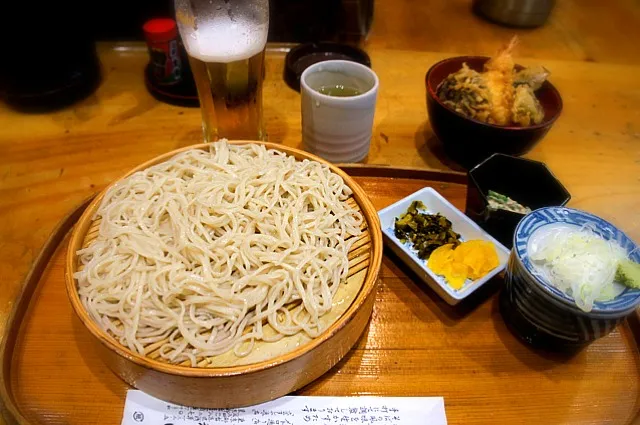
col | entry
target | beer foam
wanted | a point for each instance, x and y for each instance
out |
(226, 41)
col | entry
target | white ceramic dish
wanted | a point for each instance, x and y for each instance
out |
(462, 224)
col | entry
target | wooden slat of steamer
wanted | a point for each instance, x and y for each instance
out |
(92, 233)
(358, 256)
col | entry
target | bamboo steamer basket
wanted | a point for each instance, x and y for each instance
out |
(272, 369)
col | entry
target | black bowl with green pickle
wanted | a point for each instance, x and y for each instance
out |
(528, 184)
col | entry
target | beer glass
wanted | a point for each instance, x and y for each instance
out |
(225, 40)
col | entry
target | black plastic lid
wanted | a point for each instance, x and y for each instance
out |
(301, 57)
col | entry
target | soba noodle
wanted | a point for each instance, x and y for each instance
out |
(196, 255)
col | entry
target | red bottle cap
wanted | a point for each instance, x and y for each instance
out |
(160, 29)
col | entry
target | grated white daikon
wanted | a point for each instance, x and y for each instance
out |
(577, 261)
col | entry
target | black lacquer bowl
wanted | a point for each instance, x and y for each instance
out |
(469, 141)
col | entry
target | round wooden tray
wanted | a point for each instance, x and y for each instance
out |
(273, 369)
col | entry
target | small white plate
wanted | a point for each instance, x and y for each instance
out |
(463, 225)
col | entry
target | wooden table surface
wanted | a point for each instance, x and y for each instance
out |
(577, 30)
(50, 162)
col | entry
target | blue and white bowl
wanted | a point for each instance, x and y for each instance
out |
(543, 315)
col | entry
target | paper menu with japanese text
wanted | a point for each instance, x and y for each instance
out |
(142, 409)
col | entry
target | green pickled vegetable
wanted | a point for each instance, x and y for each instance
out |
(426, 232)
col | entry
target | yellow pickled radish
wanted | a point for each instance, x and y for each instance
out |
(440, 258)
(457, 275)
(469, 260)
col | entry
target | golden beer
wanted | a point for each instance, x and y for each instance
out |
(225, 41)
(230, 97)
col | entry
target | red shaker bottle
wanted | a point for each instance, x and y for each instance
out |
(168, 76)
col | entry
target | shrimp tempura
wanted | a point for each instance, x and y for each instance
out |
(498, 78)
(499, 94)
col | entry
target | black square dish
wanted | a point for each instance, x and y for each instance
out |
(528, 182)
